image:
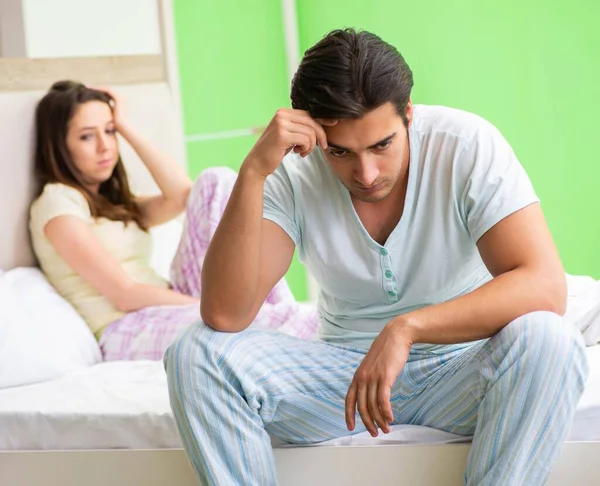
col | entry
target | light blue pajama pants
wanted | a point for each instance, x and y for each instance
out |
(516, 393)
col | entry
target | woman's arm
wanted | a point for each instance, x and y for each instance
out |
(169, 175)
(77, 245)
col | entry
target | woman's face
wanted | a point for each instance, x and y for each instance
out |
(92, 142)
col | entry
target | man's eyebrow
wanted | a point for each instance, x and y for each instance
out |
(339, 147)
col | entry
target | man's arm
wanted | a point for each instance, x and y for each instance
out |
(248, 255)
(246, 258)
(528, 276)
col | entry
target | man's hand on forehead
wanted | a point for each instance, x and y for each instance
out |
(326, 122)
(288, 130)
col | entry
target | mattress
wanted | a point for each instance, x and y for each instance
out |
(125, 405)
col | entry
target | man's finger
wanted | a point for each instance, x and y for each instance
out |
(305, 119)
(384, 402)
(363, 410)
(308, 132)
(374, 410)
(300, 142)
(351, 406)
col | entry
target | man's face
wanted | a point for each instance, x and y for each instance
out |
(368, 154)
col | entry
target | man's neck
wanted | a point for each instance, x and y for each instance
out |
(381, 217)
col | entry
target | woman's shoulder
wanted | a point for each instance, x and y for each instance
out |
(59, 190)
(58, 199)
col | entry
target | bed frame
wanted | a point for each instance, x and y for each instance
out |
(414, 465)
(142, 79)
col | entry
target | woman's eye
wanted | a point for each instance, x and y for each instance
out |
(86, 137)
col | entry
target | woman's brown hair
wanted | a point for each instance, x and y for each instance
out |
(53, 163)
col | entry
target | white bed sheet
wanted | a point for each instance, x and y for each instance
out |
(126, 405)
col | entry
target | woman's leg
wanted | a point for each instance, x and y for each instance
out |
(146, 333)
(206, 204)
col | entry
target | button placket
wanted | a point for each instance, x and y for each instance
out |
(389, 282)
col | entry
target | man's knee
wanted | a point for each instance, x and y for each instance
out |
(192, 349)
(200, 347)
(546, 340)
(548, 330)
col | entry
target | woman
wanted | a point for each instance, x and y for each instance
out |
(90, 233)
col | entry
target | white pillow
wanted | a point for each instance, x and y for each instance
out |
(583, 307)
(41, 335)
(165, 240)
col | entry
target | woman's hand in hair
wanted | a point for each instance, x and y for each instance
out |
(170, 176)
(117, 105)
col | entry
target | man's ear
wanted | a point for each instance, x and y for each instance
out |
(408, 111)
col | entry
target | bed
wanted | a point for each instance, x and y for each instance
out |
(125, 405)
(111, 423)
(89, 423)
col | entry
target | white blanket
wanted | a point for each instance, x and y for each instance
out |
(583, 307)
(122, 404)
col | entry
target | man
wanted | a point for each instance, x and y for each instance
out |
(441, 288)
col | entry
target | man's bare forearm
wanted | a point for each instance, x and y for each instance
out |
(485, 311)
(230, 274)
(233, 282)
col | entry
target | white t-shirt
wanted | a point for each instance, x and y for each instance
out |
(131, 246)
(463, 179)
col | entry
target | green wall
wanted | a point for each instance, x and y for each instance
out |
(530, 67)
(233, 76)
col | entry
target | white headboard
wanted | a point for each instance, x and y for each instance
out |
(152, 109)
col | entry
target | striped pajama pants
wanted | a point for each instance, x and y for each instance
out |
(146, 333)
(515, 393)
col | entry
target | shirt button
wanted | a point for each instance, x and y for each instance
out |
(388, 274)
(391, 293)
(383, 251)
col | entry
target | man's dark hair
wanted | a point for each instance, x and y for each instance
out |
(349, 73)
